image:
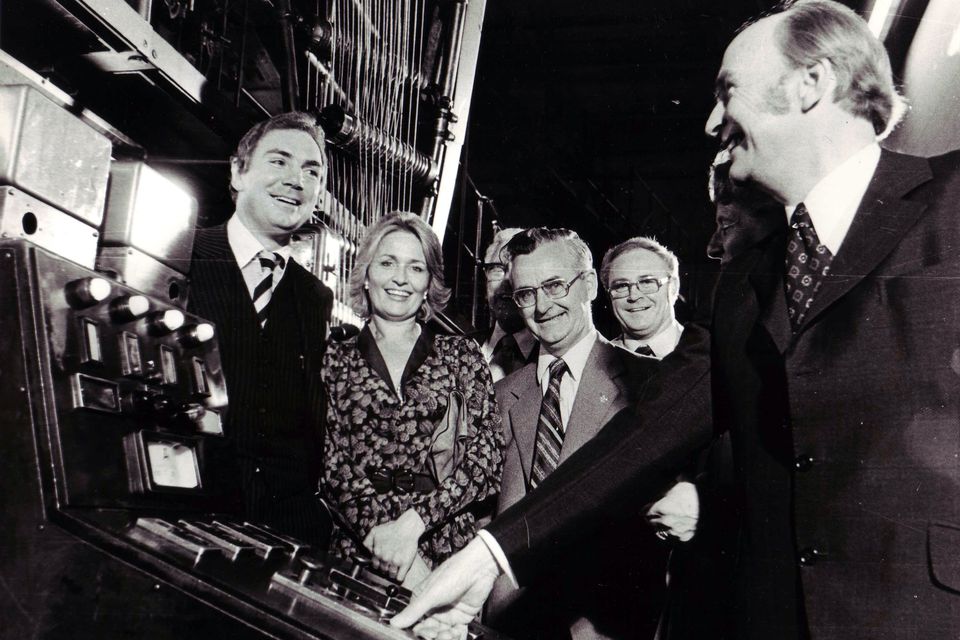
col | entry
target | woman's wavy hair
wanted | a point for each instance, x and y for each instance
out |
(437, 293)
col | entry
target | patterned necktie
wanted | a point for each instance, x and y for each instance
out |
(269, 262)
(645, 350)
(546, 455)
(807, 262)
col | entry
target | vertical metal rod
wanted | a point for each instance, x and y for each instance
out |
(290, 84)
(144, 8)
(476, 262)
(445, 99)
(243, 52)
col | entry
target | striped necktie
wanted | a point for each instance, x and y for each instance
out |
(546, 455)
(269, 262)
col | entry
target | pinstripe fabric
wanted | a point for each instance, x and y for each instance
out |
(546, 455)
(271, 459)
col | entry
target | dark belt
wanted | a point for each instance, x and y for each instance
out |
(400, 480)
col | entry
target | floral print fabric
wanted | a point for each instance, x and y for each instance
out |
(370, 426)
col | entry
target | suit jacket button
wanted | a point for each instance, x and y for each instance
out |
(803, 463)
(808, 556)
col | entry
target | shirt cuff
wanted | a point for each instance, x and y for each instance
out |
(494, 548)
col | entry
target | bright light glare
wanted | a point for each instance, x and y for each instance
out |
(879, 14)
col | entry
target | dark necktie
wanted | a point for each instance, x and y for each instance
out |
(807, 262)
(269, 262)
(645, 350)
(507, 355)
(546, 455)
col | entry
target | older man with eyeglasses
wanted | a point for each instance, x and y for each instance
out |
(642, 278)
(550, 408)
(508, 345)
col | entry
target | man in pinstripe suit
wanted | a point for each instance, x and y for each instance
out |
(271, 317)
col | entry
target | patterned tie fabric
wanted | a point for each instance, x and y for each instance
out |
(546, 455)
(269, 262)
(807, 262)
(645, 350)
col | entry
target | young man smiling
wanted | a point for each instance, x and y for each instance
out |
(271, 317)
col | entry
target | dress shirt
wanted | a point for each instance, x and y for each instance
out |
(833, 202)
(245, 248)
(576, 359)
(662, 344)
(525, 341)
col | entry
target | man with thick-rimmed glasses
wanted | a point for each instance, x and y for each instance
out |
(642, 278)
(550, 408)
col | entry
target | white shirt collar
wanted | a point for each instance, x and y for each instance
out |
(245, 246)
(662, 344)
(833, 202)
(525, 341)
(575, 357)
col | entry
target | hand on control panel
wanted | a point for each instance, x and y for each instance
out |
(452, 595)
(394, 544)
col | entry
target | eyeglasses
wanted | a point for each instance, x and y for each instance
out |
(494, 270)
(643, 285)
(554, 289)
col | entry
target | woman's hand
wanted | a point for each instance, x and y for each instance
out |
(394, 544)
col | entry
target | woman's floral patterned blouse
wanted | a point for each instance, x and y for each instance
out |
(371, 426)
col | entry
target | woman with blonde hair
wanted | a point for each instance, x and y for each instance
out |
(413, 433)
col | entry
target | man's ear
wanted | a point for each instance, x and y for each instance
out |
(236, 175)
(673, 290)
(817, 82)
(591, 278)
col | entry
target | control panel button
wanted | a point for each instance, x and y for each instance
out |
(87, 292)
(164, 322)
(193, 335)
(128, 308)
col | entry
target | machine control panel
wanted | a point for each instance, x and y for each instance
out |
(113, 404)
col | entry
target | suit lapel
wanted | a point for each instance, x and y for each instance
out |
(597, 392)
(524, 414)
(881, 221)
(765, 266)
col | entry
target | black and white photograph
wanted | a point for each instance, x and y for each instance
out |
(480, 320)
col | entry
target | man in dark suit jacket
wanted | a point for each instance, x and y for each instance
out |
(597, 388)
(844, 417)
(271, 322)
